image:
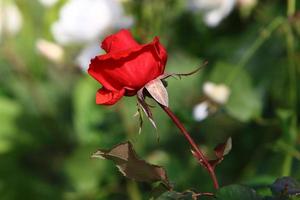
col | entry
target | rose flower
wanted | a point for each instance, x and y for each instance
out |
(126, 67)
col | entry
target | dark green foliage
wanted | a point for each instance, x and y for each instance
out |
(237, 192)
(176, 196)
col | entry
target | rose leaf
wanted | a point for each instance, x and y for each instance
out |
(221, 150)
(127, 161)
(236, 192)
(173, 195)
(144, 106)
(224, 148)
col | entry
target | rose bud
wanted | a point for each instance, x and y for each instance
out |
(126, 67)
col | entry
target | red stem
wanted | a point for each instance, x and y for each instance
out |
(202, 159)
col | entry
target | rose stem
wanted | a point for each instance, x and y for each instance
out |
(196, 149)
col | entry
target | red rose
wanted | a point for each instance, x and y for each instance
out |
(127, 67)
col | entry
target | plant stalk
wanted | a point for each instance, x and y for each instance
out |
(291, 7)
(261, 39)
(201, 158)
(293, 89)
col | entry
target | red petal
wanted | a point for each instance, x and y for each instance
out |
(132, 72)
(125, 52)
(106, 97)
(96, 70)
(129, 65)
(162, 53)
(119, 41)
(131, 68)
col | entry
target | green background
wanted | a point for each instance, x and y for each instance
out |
(50, 124)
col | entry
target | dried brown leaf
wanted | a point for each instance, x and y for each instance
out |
(220, 151)
(145, 107)
(127, 161)
(223, 149)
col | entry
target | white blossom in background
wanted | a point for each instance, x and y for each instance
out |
(11, 20)
(214, 10)
(124, 1)
(247, 3)
(201, 111)
(84, 21)
(84, 57)
(50, 50)
(218, 93)
(246, 6)
(48, 3)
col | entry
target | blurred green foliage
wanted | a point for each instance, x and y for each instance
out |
(50, 124)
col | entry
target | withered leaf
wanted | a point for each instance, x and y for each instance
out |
(127, 161)
(142, 104)
(158, 91)
(220, 151)
(223, 149)
(139, 114)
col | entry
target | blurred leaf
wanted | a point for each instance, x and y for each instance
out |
(295, 198)
(173, 195)
(158, 189)
(244, 102)
(289, 125)
(9, 111)
(83, 172)
(262, 180)
(236, 192)
(289, 149)
(181, 63)
(125, 158)
(286, 186)
(87, 117)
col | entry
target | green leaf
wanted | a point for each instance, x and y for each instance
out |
(9, 112)
(295, 198)
(182, 63)
(236, 192)
(83, 173)
(126, 160)
(173, 195)
(289, 125)
(244, 101)
(87, 115)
